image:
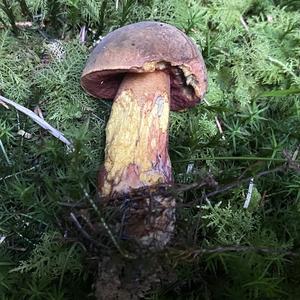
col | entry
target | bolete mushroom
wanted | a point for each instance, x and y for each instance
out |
(148, 68)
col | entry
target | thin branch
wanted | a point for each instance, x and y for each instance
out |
(248, 158)
(21, 249)
(24, 24)
(220, 127)
(227, 187)
(38, 120)
(4, 153)
(239, 249)
(245, 25)
(18, 173)
(80, 228)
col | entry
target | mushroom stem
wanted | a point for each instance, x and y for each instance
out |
(136, 153)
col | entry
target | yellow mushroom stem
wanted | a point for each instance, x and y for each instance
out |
(136, 154)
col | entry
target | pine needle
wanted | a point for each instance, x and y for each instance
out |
(4, 153)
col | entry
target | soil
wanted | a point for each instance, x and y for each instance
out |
(121, 279)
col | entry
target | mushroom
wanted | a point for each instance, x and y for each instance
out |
(148, 68)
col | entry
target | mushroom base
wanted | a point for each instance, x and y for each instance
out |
(136, 153)
(146, 215)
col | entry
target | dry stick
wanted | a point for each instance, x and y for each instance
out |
(18, 173)
(24, 24)
(266, 250)
(230, 186)
(295, 154)
(38, 120)
(217, 121)
(80, 228)
(243, 22)
(4, 153)
(226, 187)
(220, 127)
(21, 249)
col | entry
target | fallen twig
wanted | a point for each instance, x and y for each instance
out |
(243, 22)
(4, 104)
(227, 187)
(18, 173)
(4, 153)
(38, 120)
(24, 24)
(187, 254)
(80, 228)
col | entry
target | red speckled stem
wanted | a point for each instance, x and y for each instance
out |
(136, 153)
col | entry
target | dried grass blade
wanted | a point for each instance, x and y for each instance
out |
(38, 120)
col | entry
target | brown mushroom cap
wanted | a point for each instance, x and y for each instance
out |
(146, 47)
